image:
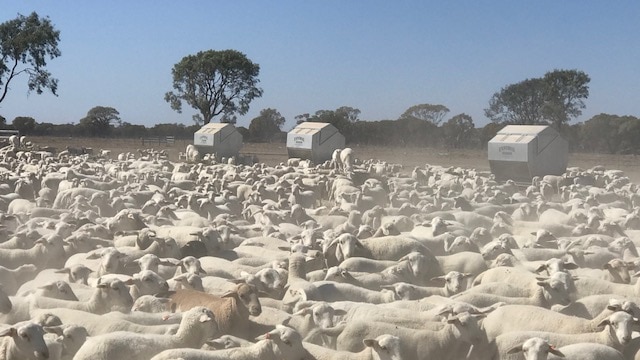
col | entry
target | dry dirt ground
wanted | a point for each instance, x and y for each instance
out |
(273, 153)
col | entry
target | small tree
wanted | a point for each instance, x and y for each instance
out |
(214, 83)
(426, 112)
(24, 124)
(459, 131)
(28, 40)
(99, 120)
(266, 125)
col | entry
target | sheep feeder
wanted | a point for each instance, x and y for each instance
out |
(314, 141)
(221, 139)
(520, 152)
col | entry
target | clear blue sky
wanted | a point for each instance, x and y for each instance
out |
(378, 56)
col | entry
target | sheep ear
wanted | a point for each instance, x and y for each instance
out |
(63, 271)
(229, 294)
(554, 351)
(606, 266)
(515, 350)
(370, 342)
(438, 278)
(53, 329)
(570, 265)
(339, 312)
(541, 268)
(216, 344)
(543, 283)
(603, 323)
(9, 332)
(129, 282)
(237, 281)
(302, 312)
(94, 255)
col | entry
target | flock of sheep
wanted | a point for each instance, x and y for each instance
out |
(139, 257)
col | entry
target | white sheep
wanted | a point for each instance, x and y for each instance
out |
(282, 343)
(383, 347)
(454, 283)
(197, 325)
(112, 295)
(99, 324)
(452, 342)
(539, 349)
(616, 333)
(23, 342)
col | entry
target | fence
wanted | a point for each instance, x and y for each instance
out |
(158, 140)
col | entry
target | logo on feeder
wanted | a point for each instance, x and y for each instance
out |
(506, 150)
(203, 139)
(299, 140)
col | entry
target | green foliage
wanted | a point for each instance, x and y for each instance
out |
(24, 124)
(426, 112)
(3, 120)
(611, 134)
(266, 125)
(28, 41)
(99, 121)
(459, 131)
(554, 99)
(214, 83)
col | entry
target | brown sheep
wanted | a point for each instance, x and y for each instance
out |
(231, 309)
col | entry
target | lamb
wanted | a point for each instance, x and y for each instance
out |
(449, 343)
(21, 305)
(282, 343)
(192, 154)
(383, 347)
(526, 317)
(197, 325)
(549, 292)
(70, 337)
(98, 324)
(330, 292)
(382, 248)
(23, 341)
(226, 342)
(454, 283)
(616, 334)
(590, 306)
(51, 250)
(539, 349)
(108, 296)
(232, 309)
(151, 304)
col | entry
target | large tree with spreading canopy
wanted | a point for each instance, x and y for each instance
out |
(214, 83)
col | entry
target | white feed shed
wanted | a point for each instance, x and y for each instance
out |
(221, 139)
(314, 140)
(520, 152)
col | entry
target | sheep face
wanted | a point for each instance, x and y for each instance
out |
(28, 339)
(386, 346)
(536, 349)
(248, 296)
(620, 326)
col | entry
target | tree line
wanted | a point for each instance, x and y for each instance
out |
(222, 83)
(603, 133)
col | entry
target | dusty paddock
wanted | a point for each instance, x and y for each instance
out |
(273, 153)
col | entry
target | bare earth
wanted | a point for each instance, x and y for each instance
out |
(274, 153)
